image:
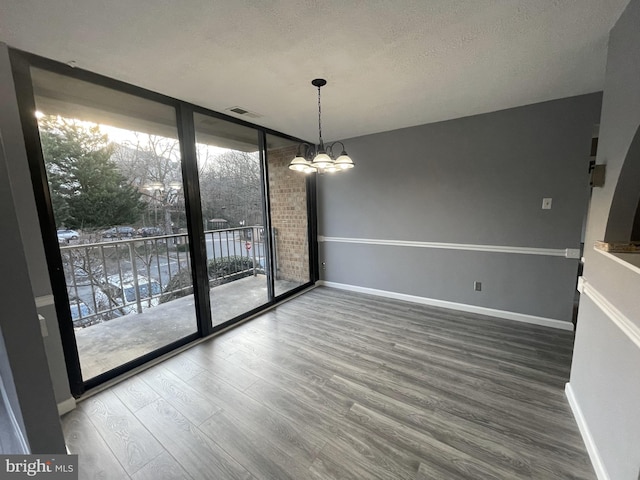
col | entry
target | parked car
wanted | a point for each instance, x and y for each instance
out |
(83, 275)
(119, 232)
(150, 232)
(79, 310)
(123, 292)
(65, 235)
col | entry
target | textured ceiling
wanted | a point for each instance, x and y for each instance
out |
(389, 63)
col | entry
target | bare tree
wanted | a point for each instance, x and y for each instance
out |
(230, 186)
(230, 180)
(153, 164)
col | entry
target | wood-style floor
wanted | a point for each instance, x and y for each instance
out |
(338, 385)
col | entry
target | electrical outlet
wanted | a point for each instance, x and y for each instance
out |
(477, 286)
(546, 203)
(324, 265)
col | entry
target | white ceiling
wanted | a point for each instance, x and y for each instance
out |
(389, 63)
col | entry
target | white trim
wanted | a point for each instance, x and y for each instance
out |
(594, 455)
(518, 317)
(630, 329)
(66, 406)
(615, 258)
(44, 301)
(552, 252)
(572, 253)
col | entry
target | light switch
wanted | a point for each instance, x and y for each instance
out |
(546, 203)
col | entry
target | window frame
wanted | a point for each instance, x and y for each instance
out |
(21, 63)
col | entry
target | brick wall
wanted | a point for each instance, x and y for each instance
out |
(288, 196)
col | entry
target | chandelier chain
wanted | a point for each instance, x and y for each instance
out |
(324, 159)
(319, 117)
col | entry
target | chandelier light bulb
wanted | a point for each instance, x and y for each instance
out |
(344, 162)
(299, 164)
(324, 159)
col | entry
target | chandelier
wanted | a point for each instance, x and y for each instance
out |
(320, 158)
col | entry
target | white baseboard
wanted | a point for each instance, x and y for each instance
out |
(598, 466)
(66, 406)
(518, 317)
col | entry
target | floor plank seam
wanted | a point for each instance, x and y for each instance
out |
(331, 386)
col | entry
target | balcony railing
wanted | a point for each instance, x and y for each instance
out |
(110, 279)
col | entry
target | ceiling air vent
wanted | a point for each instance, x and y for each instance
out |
(244, 112)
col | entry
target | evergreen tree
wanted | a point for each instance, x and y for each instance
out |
(87, 190)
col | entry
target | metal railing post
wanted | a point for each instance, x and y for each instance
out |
(254, 235)
(132, 258)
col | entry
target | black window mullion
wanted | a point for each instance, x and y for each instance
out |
(197, 243)
(266, 217)
(312, 227)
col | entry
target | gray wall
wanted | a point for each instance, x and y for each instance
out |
(605, 376)
(23, 363)
(25, 210)
(474, 180)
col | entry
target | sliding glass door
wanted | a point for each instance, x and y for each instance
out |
(289, 201)
(114, 175)
(233, 216)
